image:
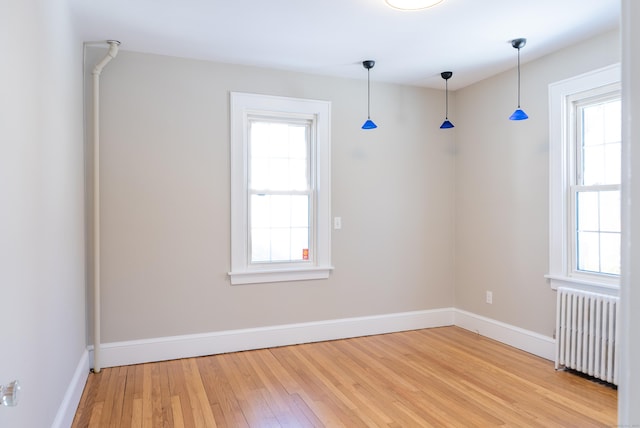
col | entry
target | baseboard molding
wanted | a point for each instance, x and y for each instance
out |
(194, 345)
(529, 341)
(69, 405)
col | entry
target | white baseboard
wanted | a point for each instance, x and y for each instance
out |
(69, 405)
(194, 345)
(529, 341)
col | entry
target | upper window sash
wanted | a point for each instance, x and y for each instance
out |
(580, 102)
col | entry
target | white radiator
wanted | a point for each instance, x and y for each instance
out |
(586, 333)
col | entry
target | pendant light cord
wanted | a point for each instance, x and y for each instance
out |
(446, 99)
(368, 93)
(518, 77)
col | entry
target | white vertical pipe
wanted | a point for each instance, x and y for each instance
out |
(113, 51)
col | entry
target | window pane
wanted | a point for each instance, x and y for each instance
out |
(259, 173)
(299, 242)
(593, 165)
(278, 140)
(278, 174)
(612, 120)
(610, 211)
(260, 211)
(588, 251)
(612, 163)
(593, 125)
(260, 245)
(280, 245)
(298, 174)
(259, 137)
(298, 148)
(300, 211)
(588, 211)
(610, 253)
(280, 211)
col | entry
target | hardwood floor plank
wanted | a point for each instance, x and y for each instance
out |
(179, 388)
(197, 395)
(147, 399)
(441, 377)
(96, 415)
(246, 387)
(136, 413)
(274, 393)
(126, 419)
(111, 398)
(224, 402)
(176, 410)
(87, 402)
(346, 378)
(331, 410)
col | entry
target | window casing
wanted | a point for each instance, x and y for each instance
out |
(584, 191)
(280, 189)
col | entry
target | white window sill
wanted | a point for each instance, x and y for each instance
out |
(279, 275)
(556, 281)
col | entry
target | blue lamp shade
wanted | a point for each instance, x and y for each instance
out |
(369, 125)
(446, 124)
(519, 114)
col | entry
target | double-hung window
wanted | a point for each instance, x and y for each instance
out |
(595, 191)
(585, 176)
(280, 216)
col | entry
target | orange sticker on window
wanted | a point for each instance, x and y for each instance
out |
(305, 254)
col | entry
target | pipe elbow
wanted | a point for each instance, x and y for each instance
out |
(111, 53)
(113, 48)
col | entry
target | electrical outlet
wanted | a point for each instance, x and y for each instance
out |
(489, 298)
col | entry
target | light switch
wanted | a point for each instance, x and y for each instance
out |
(337, 223)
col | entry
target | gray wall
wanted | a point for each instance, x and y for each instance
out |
(629, 391)
(409, 194)
(502, 196)
(165, 200)
(42, 291)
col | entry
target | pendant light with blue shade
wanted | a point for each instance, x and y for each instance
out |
(446, 75)
(519, 114)
(368, 124)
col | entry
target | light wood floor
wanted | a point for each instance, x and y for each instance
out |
(443, 377)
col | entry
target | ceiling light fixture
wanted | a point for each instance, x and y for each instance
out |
(369, 123)
(519, 114)
(446, 75)
(412, 4)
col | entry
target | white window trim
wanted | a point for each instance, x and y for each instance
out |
(559, 150)
(242, 105)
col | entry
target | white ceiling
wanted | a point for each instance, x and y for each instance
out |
(333, 37)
